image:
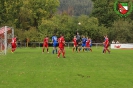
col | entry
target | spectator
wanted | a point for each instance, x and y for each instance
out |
(113, 42)
(117, 42)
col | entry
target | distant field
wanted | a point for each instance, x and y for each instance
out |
(29, 68)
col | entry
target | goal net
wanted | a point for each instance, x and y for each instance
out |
(6, 35)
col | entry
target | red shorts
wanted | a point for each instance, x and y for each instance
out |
(13, 45)
(88, 45)
(75, 44)
(61, 48)
(106, 46)
(45, 45)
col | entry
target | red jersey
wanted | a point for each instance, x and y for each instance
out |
(88, 43)
(13, 40)
(75, 41)
(61, 42)
(106, 42)
(13, 43)
(46, 40)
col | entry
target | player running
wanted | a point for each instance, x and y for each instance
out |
(14, 45)
(106, 44)
(88, 44)
(55, 43)
(45, 44)
(74, 43)
(61, 42)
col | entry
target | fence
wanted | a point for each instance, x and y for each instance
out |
(40, 44)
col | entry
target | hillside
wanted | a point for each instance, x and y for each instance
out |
(76, 7)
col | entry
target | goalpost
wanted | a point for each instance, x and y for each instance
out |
(6, 35)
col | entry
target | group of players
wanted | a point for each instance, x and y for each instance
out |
(84, 42)
(60, 42)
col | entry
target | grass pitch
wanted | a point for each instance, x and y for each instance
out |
(29, 68)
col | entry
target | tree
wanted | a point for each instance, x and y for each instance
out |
(122, 30)
(104, 11)
(27, 13)
(76, 7)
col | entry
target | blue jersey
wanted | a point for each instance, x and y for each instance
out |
(84, 40)
(104, 41)
(54, 39)
(90, 42)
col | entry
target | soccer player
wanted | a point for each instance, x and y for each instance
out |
(74, 43)
(78, 42)
(55, 43)
(103, 46)
(88, 43)
(13, 43)
(106, 44)
(45, 44)
(84, 42)
(61, 42)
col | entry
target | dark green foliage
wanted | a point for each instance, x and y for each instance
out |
(35, 19)
(122, 30)
(104, 11)
(69, 26)
(76, 7)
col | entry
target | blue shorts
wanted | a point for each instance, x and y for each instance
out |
(55, 44)
(83, 45)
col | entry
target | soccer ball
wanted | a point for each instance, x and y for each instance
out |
(79, 23)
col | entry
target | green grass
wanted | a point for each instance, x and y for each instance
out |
(29, 68)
